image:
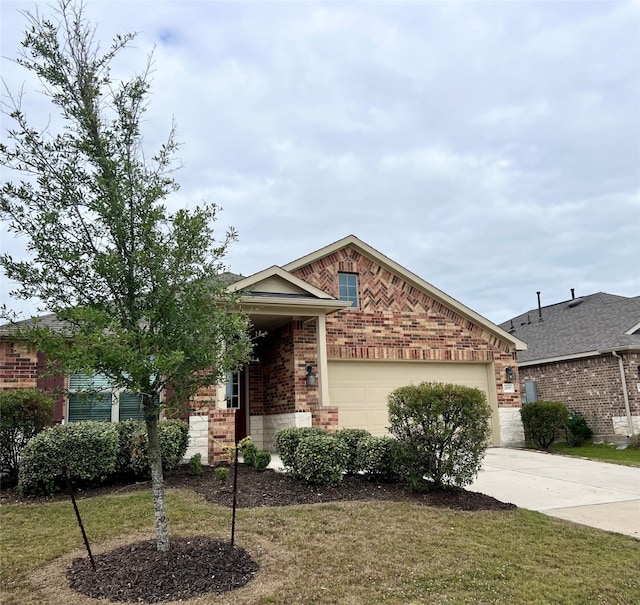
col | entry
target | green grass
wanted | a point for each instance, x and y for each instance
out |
(375, 552)
(601, 451)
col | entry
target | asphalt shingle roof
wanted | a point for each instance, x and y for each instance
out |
(596, 322)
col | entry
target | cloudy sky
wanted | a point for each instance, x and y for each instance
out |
(492, 148)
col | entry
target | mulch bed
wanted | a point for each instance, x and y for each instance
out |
(197, 566)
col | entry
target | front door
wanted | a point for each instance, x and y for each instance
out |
(237, 400)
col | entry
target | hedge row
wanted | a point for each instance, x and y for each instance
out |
(318, 458)
(96, 452)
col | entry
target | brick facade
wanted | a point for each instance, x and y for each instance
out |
(18, 366)
(397, 321)
(591, 386)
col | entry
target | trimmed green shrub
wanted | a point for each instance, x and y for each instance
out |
(443, 430)
(221, 473)
(87, 449)
(379, 458)
(249, 454)
(543, 420)
(23, 414)
(195, 465)
(286, 442)
(320, 459)
(577, 430)
(174, 440)
(262, 460)
(351, 439)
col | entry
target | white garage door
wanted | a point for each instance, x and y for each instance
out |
(359, 389)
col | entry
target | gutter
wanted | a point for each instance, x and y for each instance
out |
(625, 392)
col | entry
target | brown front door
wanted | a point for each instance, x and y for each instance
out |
(237, 400)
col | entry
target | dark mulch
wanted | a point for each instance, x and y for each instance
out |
(197, 566)
(139, 573)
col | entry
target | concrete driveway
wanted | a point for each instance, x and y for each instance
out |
(602, 495)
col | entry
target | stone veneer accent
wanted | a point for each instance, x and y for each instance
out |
(511, 429)
(263, 428)
(198, 438)
(591, 386)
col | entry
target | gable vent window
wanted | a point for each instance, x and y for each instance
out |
(348, 288)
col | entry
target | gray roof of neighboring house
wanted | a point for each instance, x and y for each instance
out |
(49, 320)
(598, 322)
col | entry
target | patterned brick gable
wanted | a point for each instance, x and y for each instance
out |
(399, 321)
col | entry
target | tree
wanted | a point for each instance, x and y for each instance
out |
(138, 289)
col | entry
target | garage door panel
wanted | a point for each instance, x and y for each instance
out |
(359, 389)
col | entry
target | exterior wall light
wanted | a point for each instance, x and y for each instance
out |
(312, 378)
(509, 374)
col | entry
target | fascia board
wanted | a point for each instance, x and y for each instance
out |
(536, 362)
(280, 306)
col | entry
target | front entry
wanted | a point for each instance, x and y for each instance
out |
(236, 397)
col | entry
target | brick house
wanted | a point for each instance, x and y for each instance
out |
(585, 352)
(339, 329)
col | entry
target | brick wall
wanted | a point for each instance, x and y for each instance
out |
(591, 386)
(221, 428)
(397, 321)
(18, 366)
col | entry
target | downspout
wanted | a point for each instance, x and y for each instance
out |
(625, 392)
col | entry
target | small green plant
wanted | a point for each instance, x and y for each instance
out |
(195, 465)
(23, 414)
(351, 439)
(221, 473)
(320, 459)
(577, 430)
(379, 458)
(249, 454)
(286, 442)
(88, 450)
(262, 460)
(543, 420)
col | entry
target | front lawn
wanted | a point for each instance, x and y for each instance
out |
(601, 451)
(371, 552)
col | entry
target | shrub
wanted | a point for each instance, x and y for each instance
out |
(442, 430)
(577, 430)
(320, 459)
(379, 458)
(542, 420)
(23, 414)
(87, 449)
(351, 439)
(262, 460)
(221, 473)
(286, 442)
(249, 455)
(174, 440)
(195, 465)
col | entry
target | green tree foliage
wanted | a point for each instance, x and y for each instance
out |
(23, 414)
(543, 421)
(443, 430)
(138, 287)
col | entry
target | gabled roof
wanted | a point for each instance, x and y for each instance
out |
(276, 280)
(578, 327)
(412, 278)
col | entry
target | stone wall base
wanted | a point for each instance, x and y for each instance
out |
(511, 429)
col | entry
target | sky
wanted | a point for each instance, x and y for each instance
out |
(491, 148)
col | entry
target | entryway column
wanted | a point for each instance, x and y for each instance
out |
(323, 366)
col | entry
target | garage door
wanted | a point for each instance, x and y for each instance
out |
(359, 389)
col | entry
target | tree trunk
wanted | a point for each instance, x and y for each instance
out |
(157, 484)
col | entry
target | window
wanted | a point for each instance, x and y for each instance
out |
(93, 398)
(348, 287)
(233, 390)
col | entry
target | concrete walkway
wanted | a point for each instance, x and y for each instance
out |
(602, 495)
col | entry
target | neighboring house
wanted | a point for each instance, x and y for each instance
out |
(585, 352)
(339, 329)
